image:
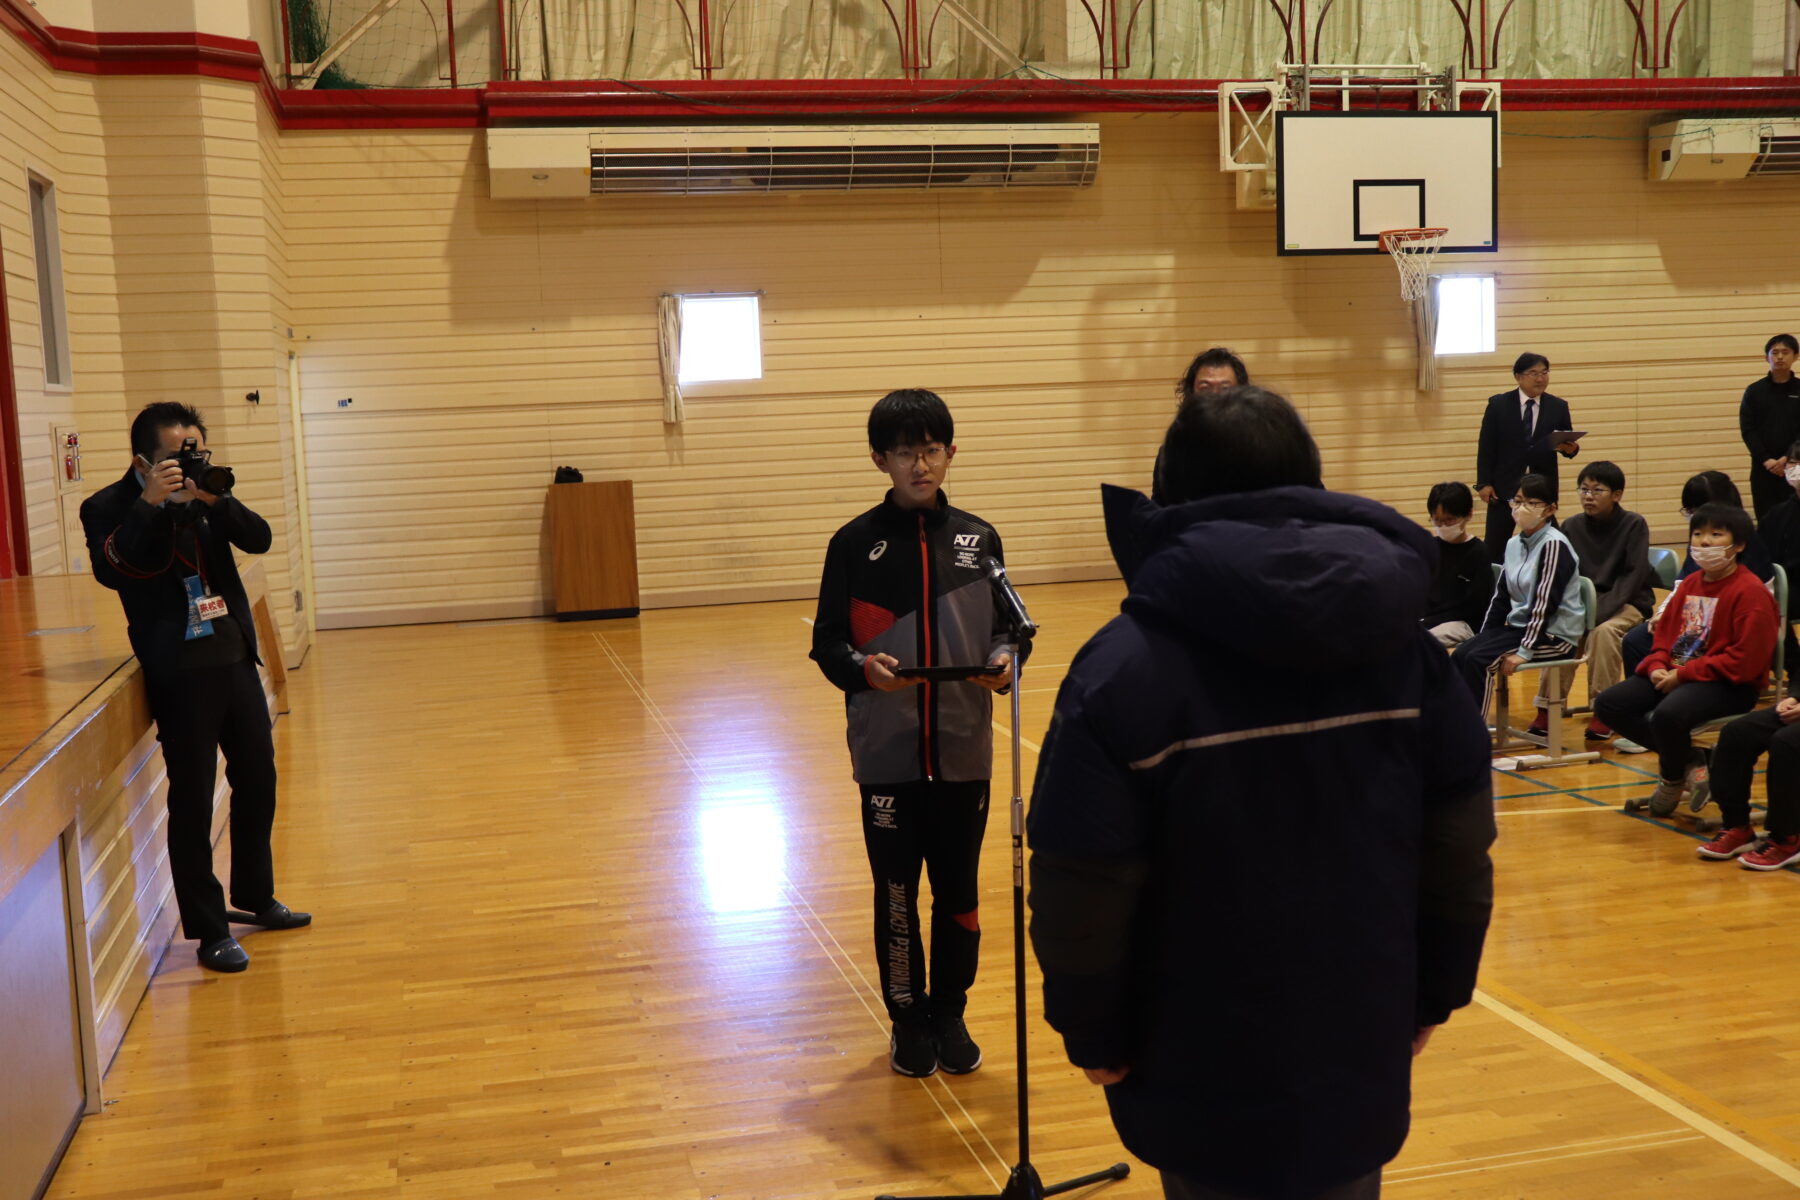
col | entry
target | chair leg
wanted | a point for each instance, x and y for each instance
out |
(1502, 713)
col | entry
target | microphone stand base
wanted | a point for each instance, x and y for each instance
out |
(1024, 1184)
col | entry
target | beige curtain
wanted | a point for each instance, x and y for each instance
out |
(1425, 325)
(760, 39)
(668, 345)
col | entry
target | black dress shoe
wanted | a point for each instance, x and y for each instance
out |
(276, 916)
(223, 955)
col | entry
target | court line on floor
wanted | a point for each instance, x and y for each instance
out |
(1544, 812)
(1392, 1179)
(704, 775)
(1536, 1154)
(1522, 1013)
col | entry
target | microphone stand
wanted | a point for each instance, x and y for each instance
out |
(1023, 1183)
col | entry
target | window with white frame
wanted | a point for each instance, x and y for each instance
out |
(53, 317)
(1465, 305)
(721, 338)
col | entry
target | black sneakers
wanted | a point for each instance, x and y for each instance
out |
(957, 1052)
(912, 1051)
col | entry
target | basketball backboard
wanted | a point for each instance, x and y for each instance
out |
(1343, 177)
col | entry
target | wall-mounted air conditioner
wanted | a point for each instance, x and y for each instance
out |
(1724, 148)
(743, 160)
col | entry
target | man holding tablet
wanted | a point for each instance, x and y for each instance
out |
(910, 628)
(1522, 432)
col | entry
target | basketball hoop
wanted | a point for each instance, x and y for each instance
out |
(1413, 250)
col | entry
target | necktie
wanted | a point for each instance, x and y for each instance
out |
(1530, 417)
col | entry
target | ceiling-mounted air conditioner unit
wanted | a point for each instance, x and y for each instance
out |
(744, 160)
(1724, 148)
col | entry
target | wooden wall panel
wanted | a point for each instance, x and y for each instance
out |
(484, 343)
(34, 137)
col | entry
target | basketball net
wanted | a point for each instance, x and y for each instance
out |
(1413, 250)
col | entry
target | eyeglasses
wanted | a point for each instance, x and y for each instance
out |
(906, 456)
(1535, 373)
(1526, 505)
(1593, 491)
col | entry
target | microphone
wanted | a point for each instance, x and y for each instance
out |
(1024, 628)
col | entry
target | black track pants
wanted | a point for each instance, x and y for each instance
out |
(938, 825)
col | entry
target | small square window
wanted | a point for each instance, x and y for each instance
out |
(721, 338)
(1465, 314)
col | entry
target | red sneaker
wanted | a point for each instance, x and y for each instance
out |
(1597, 731)
(1729, 844)
(1771, 855)
(1540, 724)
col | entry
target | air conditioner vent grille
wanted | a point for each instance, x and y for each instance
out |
(751, 168)
(1778, 154)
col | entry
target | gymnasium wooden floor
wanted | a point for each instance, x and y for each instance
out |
(591, 906)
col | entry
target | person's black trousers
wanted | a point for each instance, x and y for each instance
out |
(1500, 527)
(1734, 761)
(200, 711)
(1475, 660)
(938, 825)
(1665, 723)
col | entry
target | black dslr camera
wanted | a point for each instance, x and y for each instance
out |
(197, 465)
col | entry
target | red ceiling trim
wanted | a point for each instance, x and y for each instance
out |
(85, 52)
(205, 54)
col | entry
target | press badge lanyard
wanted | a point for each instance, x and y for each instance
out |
(203, 606)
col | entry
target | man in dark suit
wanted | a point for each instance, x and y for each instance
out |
(165, 546)
(1515, 442)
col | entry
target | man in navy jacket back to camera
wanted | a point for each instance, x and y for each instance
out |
(165, 546)
(1261, 820)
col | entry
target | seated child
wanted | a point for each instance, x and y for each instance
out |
(1776, 730)
(1463, 582)
(1612, 545)
(1709, 659)
(1536, 609)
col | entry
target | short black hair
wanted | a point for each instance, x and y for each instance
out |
(1217, 356)
(1731, 519)
(1781, 339)
(147, 426)
(1710, 487)
(1606, 474)
(1243, 439)
(910, 417)
(1527, 361)
(1454, 497)
(1537, 487)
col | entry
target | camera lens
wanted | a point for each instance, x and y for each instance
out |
(217, 480)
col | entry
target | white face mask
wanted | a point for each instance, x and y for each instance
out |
(1793, 474)
(1710, 558)
(1451, 533)
(1529, 520)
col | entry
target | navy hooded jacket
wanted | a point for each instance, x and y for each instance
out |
(1259, 837)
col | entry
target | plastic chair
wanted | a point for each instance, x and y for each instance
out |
(1665, 564)
(1555, 702)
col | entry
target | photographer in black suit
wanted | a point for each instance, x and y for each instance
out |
(1515, 442)
(163, 541)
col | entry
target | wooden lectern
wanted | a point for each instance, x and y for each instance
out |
(593, 550)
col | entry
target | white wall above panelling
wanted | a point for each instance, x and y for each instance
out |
(226, 18)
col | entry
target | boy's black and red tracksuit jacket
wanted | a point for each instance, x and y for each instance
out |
(909, 583)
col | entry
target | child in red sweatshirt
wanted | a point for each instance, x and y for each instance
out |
(1711, 657)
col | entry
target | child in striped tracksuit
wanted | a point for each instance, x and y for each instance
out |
(1536, 611)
